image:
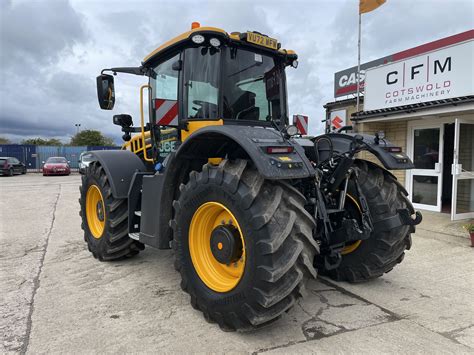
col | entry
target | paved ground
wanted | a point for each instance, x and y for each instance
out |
(55, 298)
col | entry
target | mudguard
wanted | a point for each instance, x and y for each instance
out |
(390, 159)
(230, 142)
(222, 141)
(120, 166)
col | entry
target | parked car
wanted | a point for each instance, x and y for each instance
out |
(10, 166)
(84, 159)
(56, 166)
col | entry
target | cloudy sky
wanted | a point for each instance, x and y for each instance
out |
(52, 50)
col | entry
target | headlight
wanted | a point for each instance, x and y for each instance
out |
(215, 42)
(198, 39)
(291, 130)
(294, 64)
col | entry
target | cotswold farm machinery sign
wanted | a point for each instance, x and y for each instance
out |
(437, 75)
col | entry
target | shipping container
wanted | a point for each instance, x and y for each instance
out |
(23, 152)
(99, 147)
(33, 156)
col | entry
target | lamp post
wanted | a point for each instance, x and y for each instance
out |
(78, 125)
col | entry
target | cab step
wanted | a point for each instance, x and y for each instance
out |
(135, 236)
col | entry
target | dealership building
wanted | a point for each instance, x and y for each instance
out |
(421, 99)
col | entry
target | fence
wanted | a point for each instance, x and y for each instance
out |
(33, 156)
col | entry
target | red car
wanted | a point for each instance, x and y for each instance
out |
(56, 166)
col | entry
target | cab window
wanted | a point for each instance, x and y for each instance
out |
(201, 78)
(165, 83)
(252, 86)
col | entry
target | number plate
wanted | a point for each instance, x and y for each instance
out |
(260, 40)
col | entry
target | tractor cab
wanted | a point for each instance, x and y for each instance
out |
(201, 78)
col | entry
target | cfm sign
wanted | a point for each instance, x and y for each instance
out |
(442, 74)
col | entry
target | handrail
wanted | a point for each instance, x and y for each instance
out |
(142, 123)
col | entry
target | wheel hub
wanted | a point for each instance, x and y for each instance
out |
(226, 244)
(100, 211)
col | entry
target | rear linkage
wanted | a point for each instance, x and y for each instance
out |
(335, 229)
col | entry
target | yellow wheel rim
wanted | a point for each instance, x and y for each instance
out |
(95, 211)
(218, 277)
(353, 246)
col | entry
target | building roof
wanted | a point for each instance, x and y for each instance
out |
(343, 103)
(360, 116)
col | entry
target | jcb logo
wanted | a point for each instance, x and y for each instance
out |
(167, 147)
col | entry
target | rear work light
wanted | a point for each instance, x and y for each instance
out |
(280, 150)
(393, 149)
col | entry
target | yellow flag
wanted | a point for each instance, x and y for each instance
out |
(369, 5)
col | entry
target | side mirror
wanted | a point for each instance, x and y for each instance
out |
(42, 162)
(69, 162)
(106, 91)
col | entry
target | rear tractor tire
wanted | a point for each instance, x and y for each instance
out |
(368, 259)
(104, 218)
(243, 245)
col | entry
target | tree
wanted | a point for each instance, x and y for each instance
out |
(90, 137)
(41, 141)
(4, 140)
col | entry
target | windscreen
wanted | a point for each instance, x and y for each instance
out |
(252, 86)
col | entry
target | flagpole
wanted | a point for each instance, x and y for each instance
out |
(358, 67)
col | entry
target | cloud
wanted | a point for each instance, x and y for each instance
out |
(51, 51)
(35, 34)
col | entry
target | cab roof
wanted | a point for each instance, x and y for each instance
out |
(184, 37)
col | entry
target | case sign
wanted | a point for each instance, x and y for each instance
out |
(437, 75)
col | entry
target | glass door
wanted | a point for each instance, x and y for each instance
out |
(463, 170)
(426, 151)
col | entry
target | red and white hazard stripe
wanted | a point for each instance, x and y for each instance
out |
(166, 112)
(301, 122)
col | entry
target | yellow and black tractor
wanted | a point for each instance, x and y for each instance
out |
(251, 207)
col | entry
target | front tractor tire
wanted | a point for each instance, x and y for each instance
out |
(104, 218)
(243, 245)
(368, 259)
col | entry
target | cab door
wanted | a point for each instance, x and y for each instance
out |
(165, 103)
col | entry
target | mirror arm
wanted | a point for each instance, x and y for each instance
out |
(127, 70)
(131, 129)
(135, 129)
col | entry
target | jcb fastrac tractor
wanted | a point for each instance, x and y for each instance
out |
(251, 208)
